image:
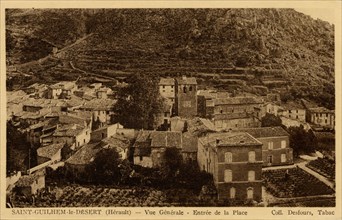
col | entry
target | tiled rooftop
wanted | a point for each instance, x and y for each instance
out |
(68, 130)
(266, 132)
(99, 104)
(291, 105)
(199, 126)
(85, 154)
(230, 139)
(167, 81)
(67, 85)
(166, 139)
(50, 150)
(27, 180)
(321, 110)
(237, 101)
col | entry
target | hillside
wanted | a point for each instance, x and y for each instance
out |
(255, 50)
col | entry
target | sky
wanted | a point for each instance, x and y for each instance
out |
(321, 13)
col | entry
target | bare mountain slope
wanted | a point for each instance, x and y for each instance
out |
(252, 49)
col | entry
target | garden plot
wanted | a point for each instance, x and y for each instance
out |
(296, 183)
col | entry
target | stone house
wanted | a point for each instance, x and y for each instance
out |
(237, 104)
(28, 185)
(105, 132)
(275, 145)
(73, 136)
(205, 101)
(120, 143)
(167, 88)
(61, 90)
(231, 121)
(83, 157)
(150, 146)
(102, 109)
(322, 117)
(293, 110)
(235, 161)
(51, 152)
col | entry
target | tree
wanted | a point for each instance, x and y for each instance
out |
(105, 167)
(270, 120)
(302, 141)
(139, 104)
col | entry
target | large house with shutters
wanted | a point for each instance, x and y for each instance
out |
(275, 145)
(235, 161)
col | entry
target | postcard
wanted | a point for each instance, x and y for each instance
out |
(170, 110)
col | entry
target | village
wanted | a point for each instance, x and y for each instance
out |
(239, 148)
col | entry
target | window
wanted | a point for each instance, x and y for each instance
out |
(232, 193)
(296, 116)
(165, 114)
(171, 87)
(270, 145)
(163, 87)
(141, 158)
(283, 158)
(228, 157)
(326, 121)
(270, 159)
(102, 135)
(283, 144)
(163, 90)
(184, 89)
(250, 193)
(171, 90)
(251, 156)
(251, 175)
(190, 88)
(228, 176)
(158, 155)
(221, 111)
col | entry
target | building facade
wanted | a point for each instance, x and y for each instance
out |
(235, 161)
(167, 88)
(322, 117)
(275, 145)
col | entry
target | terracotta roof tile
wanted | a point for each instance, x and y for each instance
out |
(266, 132)
(167, 81)
(85, 154)
(230, 139)
(50, 150)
